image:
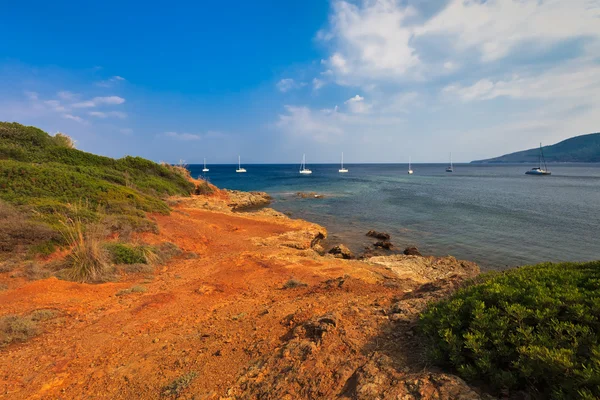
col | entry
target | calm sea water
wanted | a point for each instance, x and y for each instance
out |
(494, 215)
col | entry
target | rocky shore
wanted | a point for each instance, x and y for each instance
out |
(261, 312)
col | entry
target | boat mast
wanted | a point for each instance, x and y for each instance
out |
(542, 158)
(239, 162)
(342, 160)
(409, 163)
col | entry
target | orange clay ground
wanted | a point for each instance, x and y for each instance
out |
(224, 324)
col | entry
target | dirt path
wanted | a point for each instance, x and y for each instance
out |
(221, 323)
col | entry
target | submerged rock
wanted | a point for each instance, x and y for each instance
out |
(341, 251)
(384, 244)
(310, 195)
(412, 251)
(379, 235)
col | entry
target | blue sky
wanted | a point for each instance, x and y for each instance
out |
(381, 80)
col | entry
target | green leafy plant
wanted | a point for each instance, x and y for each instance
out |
(535, 328)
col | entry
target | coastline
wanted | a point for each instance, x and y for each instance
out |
(256, 312)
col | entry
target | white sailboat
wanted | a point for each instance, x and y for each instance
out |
(240, 169)
(450, 168)
(410, 171)
(342, 169)
(205, 169)
(303, 169)
(539, 170)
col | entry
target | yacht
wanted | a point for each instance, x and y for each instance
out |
(451, 167)
(539, 170)
(342, 169)
(205, 169)
(240, 169)
(410, 171)
(303, 169)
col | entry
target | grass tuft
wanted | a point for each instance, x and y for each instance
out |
(294, 283)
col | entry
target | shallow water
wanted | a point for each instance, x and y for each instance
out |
(494, 215)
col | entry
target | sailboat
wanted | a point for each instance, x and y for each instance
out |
(303, 169)
(342, 169)
(410, 171)
(450, 168)
(205, 169)
(539, 170)
(240, 169)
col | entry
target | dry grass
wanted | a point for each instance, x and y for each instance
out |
(89, 259)
(133, 289)
(176, 388)
(17, 328)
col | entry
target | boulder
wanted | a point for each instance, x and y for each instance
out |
(412, 251)
(341, 251)
(379, 235)
(384, 244)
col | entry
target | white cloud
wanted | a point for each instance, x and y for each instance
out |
(318, 83)
(55, 105)
(357, 104)
(287, 84)
(378, 39)
(194, 136)
(110, 81)
(74, 118)
(496, 27)
(303, 122)
(66, 95)
(32, 95)
(96, 101)
(574, 82)
(101, 114)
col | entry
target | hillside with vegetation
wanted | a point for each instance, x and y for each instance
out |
(53, 195)
(581, 149)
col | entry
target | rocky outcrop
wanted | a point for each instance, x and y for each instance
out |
(426, 269)
(379, 235)
(247, 201)
(341, 251)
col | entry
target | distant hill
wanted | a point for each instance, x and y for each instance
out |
(584, 148)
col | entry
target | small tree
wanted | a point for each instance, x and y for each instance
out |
(63, 140)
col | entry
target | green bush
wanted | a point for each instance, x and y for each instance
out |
(535, 328)
(122, 253)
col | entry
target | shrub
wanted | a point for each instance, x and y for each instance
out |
(535, 328)
(123, 253)
(17, 232)
(203, 188)
(62, 140)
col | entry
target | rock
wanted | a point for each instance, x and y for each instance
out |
(384, 244)
(427, 269)
(247, 201)
(379, 235)
(319, 249)
(412, 251)
(341, 251)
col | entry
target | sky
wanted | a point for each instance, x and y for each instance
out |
(380, 80)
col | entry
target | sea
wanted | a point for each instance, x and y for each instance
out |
(494, 215)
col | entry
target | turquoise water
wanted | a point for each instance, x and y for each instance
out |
(494, 215)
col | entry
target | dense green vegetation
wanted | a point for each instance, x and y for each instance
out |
(535, 328)
(584, 148)
(52, 194)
